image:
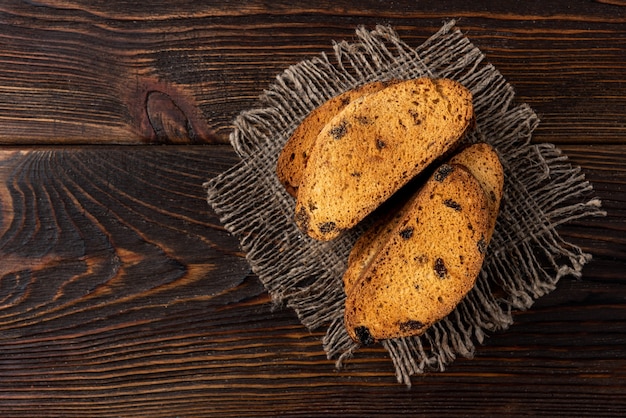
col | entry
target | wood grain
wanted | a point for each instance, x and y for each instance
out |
(123, 297)
(91, 72)
(93, 234)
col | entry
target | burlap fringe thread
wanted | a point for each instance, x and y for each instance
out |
(526, 257)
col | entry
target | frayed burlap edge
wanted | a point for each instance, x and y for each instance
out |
(525, 259)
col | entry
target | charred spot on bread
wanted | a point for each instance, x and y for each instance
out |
(327, 227)
(411, 325)
(407, 232)
(416, 117)
(442, 172)
(440, 268)
(452, 204)
(380, 144)
(363, 120)
(339, 131)
(363, 335)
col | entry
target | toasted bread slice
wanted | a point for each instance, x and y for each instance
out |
(428, 263)
(366, 247)
(374, 146)
(481, 160)
(295, 153)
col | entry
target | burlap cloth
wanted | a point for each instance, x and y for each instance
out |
(525, 259)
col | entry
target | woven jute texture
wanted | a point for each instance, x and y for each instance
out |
(525, 259)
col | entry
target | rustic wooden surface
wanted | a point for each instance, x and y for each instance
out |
(121, 294)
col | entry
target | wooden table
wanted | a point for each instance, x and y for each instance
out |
(122, 295)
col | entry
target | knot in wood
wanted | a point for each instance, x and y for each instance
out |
(169, 122)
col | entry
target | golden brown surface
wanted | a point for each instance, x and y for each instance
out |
(295, 154)
(399, 269)
(427, 265)
(393, 134)
(483, 162)
(121, 295)
(480, 159)
(368, 245)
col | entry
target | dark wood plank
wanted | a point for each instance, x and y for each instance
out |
(120, 293)
(122, 296)
(180, 71)
(96, 239)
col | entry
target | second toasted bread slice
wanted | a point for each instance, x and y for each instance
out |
(412, 269)
(428, 263)
(480, 159)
